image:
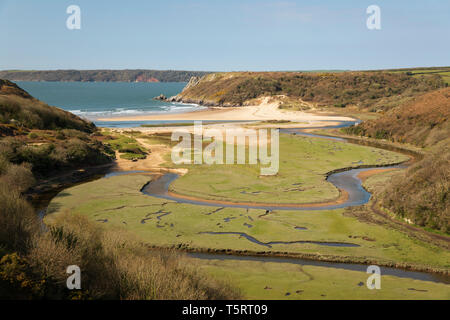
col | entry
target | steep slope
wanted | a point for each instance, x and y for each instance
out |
(422, 193)
(20, 108)
(423, 121)
(46, 139)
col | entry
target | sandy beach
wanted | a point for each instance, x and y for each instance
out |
(267, 110)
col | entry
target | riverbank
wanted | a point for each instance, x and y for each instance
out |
(171, 223)
(164, 223)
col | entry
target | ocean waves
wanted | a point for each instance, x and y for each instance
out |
(175, 107)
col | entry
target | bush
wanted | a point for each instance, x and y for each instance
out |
(17, 280)
(422, 194)
(116, 266)
(18, 221)
(48, 157)
(18, 177)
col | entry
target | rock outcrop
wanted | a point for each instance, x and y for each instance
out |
(160, 97)
(192, 82)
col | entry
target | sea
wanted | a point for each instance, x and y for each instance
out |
(94, 100)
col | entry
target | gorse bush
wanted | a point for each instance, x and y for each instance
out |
(17, 280)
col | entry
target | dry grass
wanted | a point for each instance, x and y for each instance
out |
(422, 194)
(18, 221)
(116, 266)
(422, 121)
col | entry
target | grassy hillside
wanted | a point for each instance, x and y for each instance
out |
(18, 108)
(101, 75)
(423, 121)
(367, 90)
(39, 141)
(422, 194)
(47, 138)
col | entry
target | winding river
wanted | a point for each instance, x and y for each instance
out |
(346, 181)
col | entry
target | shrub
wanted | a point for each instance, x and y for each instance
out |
(18, 177)
(422, 194)
(17, 280)
(18, 221)
(116, 266)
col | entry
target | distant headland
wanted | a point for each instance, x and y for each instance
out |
(137, 75)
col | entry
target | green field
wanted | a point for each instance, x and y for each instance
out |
(118, 202)
(271, 280)
(443, 72)
(304, 163)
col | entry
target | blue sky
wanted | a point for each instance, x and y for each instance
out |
(224, 35)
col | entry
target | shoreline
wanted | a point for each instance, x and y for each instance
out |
(265, 111)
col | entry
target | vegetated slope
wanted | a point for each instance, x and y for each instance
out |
(367, 90)
(444, 72)
(18, 107)
(422, 194)
(423, 121)
(47, 139)
(102, 75)
(33, 259)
